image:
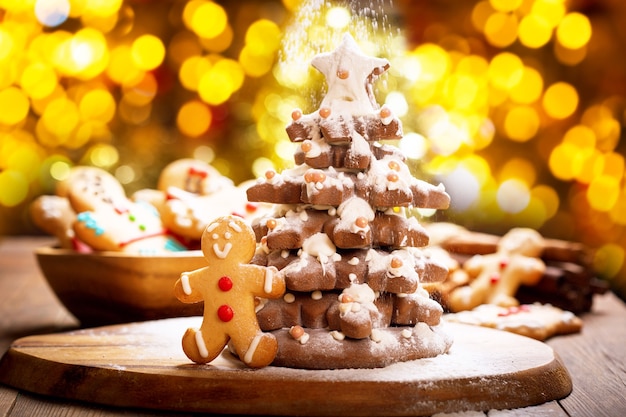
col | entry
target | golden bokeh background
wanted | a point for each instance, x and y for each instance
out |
(517, 106)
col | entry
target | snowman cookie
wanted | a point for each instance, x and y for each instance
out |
(229, 287)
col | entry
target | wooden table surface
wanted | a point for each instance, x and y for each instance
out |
(595, 358)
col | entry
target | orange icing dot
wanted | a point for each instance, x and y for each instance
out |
(271, 224)
(396, 262)
(343, 73)
(361, 222)
(385, 112)
(345, 298)
(392, 176)
(296, 331)
(306, 146)
(296, 114)
(314, 176)
(394, 165)
(324, 112)
(270, 174)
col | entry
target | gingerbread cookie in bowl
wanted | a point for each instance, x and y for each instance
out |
(106, 220)
(191, 193)
(57, 214)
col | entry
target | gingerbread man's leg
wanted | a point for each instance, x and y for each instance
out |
(203, 346)
(255, 349)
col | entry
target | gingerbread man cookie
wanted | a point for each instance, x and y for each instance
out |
(229, 287)
(191, 193)
(54, 215)
(107, 220)
(495, 278)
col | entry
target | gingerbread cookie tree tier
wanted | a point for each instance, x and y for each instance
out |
(352, 259)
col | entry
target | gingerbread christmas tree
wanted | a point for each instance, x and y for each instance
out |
(352, 258)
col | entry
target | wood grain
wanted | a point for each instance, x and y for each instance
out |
(142, 365)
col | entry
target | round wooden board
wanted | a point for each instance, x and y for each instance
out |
(142, 365)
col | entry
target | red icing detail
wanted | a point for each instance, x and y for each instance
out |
(515, 310)
(199, 172)
(503, 263)
(120, 209)
(225, 283)
(142, 237)
(494, 278)
(80, 246)
(251, 207)
(225, 313)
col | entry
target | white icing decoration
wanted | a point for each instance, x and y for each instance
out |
(376, 335)
(345, 308)
(407, 333)
(354, 261)
(350, 210)
(204, 352)
(234, 226)
(222, 254)
(348, 94)
(212, 227)
(215, 236)
(337, 335)
(262, 303)
(319, 245)
(184, 280)
(252, 349)
(228, 235)
(316, 295)
(289, 298)
(269, 278)
(303, 339)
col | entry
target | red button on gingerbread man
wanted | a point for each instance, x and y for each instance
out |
(228, 287)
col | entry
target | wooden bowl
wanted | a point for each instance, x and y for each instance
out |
(110, 287)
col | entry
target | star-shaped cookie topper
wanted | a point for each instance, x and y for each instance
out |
(349, 74)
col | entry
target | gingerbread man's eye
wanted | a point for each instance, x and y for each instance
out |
(228, 235)
(215, 236)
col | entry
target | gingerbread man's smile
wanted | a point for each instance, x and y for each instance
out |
(222, 253)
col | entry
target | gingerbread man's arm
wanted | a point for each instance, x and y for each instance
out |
(474, 265)
(183, 289)
(268, 283)
(533, 268)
